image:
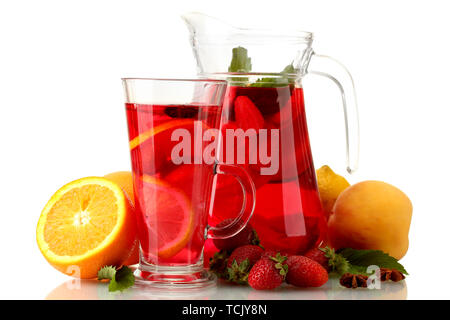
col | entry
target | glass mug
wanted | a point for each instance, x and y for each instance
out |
(173, 136)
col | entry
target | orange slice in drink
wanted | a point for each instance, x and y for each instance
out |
(154, 147)
(168, 216)
(87, 224)
(163, 130)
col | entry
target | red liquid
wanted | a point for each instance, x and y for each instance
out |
(288, 214)
(165, 190)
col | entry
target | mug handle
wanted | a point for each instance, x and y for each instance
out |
(248, 206)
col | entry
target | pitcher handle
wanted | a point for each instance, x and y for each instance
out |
(332, 69)
(248, 206)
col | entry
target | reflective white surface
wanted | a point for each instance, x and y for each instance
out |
(91, 289)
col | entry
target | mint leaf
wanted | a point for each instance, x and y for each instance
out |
(365, 258)
(356, 270)
(119, 279)
(273, 82)
(240, 62)
(124, 279)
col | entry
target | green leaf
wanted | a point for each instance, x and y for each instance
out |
(336, 261)
(273, 82)
(255, 240)
(124, 279)
(355, 270)
(240, 62)
(278, 258)
(365, 258)
(238, 273)
(119, 279)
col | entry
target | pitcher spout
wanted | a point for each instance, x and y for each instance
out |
(200, 24)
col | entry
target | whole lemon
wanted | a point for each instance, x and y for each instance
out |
(330, 187)
(371, 215)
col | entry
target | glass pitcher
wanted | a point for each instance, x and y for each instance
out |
(264, 126)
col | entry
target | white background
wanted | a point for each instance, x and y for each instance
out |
(62, 114)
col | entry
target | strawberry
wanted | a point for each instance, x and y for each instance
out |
(247, 114)
(319, 255)
(240, 262)
(268, 273)
(245, 236)
(304, 272)
(251, 252)
(329, 259)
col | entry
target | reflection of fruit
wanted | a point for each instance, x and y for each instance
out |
(125, 180)
(330, 187)
(304, 272)
(371, 215)
(169, 218)
(87, 224)
(144, 145)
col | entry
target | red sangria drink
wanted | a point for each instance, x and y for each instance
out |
(170, 205)
(276, 150)
(174, 156)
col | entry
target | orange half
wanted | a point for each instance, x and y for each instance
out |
(87, 224)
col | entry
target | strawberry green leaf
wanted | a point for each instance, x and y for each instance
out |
(279, 258)
(238, 273)
(336, 261)
(106, 273)
(255, 240)
(365, 258)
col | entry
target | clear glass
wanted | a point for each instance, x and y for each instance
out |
(271, 50)
(172, 127)
(264, 69)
